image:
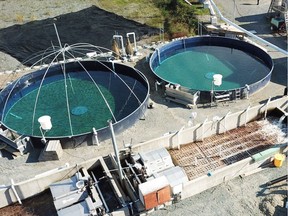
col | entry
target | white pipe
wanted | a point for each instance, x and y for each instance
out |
(134, 38)
(187, 2)
(95, 135)
(158, 52)
(247, 32)
(156, 85)
(113, 66)
(43, 140)
(122, 43)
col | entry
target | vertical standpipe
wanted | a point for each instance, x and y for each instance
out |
(122, 43)
(134, 39)
(158, 53)
(116, 150)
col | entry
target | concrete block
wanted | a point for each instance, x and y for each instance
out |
(52, 151)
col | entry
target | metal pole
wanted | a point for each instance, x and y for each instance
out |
(99, 191)
(59, 41)
(115, 150)
(277, 180)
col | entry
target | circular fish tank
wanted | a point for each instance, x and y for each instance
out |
(79, 96)
(193, 62)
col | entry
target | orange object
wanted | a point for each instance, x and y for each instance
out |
(279, 159)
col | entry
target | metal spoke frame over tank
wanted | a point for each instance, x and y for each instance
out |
(64, 57)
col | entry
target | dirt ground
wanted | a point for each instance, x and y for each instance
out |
(246, 195)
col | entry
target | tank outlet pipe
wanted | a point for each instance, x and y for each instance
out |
(247, 32)
(113, 66)
(134, 39)
(157, 84)
(95, 137)
(122, 43)
(15, 192)
(116, 150)
(158, 53)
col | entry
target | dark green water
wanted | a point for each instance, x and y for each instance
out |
(74, 108)
(193, 68)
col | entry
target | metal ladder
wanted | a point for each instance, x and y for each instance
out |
(238, 94)
(271, 7)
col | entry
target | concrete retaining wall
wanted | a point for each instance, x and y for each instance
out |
(211, 127)
(225, 174)
(38, 184)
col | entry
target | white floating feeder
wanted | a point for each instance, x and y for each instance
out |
(217, 79)
(45, 122)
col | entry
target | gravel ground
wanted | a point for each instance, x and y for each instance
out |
(241, 196)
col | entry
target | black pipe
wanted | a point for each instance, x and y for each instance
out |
(277, 180)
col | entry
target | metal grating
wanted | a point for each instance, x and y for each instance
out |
(198, 158)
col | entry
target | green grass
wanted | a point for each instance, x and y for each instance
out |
(177, 16)
(141, 11)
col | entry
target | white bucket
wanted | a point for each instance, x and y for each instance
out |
(45, 122)
(217, 79)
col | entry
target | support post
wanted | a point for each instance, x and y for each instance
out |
(246, 115)
(202, 138)
(225, 121)
(179, 137)
(15, 192)
(266, 107)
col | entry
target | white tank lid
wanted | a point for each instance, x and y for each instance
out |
(217, 79)
(45, 122)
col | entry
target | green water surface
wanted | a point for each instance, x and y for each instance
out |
(74, 109)
(194, 68)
